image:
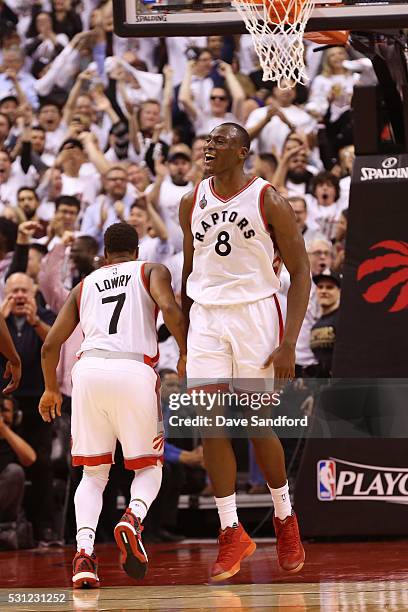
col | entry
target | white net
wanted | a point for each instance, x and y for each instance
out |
(277, 28)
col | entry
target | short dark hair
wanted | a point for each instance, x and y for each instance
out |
(241, 133)
(49, 102)
(90, 242)
(28, 189)
(166, 371)
(327, 177)
(121, 238)
(8, 229)
(72, 141)
(40, 248)
(68, 201)
(38, 128)
(269, 158)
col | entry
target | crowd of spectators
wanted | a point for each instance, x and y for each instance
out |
(96, 129)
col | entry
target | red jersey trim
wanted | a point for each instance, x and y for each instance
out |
(92, 460)
(142, 462)
(194, 202)
(262, 206)
(152, 361)
(280, 318)
(79, 296)
(234, 195)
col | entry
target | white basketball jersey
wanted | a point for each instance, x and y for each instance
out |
(117, 312)
(234, 255)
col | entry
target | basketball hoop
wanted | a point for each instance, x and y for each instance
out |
(277, 28)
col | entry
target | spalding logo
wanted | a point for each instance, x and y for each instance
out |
(391, 271)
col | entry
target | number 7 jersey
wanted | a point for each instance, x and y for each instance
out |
(234, 260)
(117, 312)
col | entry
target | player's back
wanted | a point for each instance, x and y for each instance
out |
(117, 312)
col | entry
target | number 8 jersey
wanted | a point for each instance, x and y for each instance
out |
(117, 312)
(234, 259)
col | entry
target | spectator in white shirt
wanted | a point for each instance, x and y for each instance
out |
(14, 80)
(299, 207)
(333, 86)
(169, 187)
(271, 124)
(205, 121)
(326, 206)
(49, 118)
(111, 207)
(145, 219)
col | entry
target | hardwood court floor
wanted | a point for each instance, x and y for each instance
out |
(346, 577)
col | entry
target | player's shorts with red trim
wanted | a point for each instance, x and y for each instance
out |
(232, 342)
(115, 399)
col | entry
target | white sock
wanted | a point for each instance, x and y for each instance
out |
(144, 489)
(88, 504)
(227, 510)
(281, 501)
(85, 540)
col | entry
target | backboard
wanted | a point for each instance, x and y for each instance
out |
(140, 18)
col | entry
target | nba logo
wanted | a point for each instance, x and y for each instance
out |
(203, 202)
(326, 480)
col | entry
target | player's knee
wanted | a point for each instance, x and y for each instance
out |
(98, 474)
(153, 472)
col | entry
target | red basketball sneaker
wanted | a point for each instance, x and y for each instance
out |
(291, 554)
(128, 537)
(234, 545)
(85, 571)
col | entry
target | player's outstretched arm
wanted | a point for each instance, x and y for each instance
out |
(281, 218)
(65, 323)
(162, 293)
(13, 365)
(186, 206)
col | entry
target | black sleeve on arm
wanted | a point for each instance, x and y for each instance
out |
(26, 156)
(19, 261)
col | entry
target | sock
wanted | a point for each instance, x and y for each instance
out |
(139, 508)
(227, 510)
(85, 539)
(281, 501)
(144, 489)
(88, 504)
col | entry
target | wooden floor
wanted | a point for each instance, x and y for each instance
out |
(346, 577)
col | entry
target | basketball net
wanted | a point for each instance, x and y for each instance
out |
(277, 28)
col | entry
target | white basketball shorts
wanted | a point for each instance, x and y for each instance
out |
(116, 399)
(232, 342)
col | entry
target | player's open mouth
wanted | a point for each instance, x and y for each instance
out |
(208, 157)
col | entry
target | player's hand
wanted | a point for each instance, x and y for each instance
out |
(283, 361)
(50, 405)
(12, 370)
(181, 366)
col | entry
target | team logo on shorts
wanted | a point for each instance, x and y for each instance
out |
(203, 202)
(326, 480)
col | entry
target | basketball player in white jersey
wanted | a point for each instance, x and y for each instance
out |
(115, 391)
(231, 224)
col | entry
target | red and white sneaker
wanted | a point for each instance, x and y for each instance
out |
(291, 554)
(234, 545)
(128, 537)
(85, 571)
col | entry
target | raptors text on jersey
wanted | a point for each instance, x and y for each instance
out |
(234, 259)
(117, 312)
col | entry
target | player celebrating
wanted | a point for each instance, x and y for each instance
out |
(231, 224)
(115, 390)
